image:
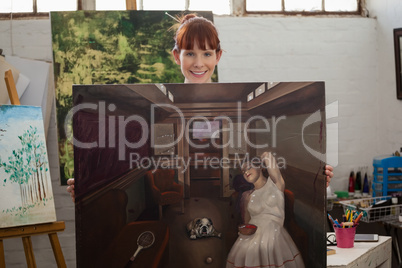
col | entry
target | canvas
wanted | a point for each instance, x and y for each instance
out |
(126, 188)
(26, 189)
(109, 47)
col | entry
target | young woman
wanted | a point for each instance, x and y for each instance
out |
(197, 50)
(264, 206)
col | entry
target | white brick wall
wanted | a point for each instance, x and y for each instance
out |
(30, 38)
(388, 14)
(354, 56)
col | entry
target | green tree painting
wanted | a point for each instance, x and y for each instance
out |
(25, 188)
(109, 47)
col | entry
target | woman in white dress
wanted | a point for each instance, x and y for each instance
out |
(271, 245)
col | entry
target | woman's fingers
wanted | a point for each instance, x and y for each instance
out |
(329, 172)
(70, 188)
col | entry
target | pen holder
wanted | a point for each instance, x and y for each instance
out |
(345, 237)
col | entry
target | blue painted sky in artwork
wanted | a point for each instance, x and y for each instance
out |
(19, 113)
(15, 120)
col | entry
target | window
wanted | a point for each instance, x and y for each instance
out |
(16, 6)
(51, 5)
(305, 6)
(218, 7)
(35, 6)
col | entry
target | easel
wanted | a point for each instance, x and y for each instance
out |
(25, 232)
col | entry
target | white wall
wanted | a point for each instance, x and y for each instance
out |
(27, 38)
(354, 56)
(388, 14)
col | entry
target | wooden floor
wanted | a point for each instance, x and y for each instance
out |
(184, 252)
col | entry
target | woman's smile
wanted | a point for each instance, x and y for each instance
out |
(198, 73)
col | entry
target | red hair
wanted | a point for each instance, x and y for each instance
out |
(194, 29)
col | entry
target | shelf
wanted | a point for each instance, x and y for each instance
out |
(390, 174)
(383, 179)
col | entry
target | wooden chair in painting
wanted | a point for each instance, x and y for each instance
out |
(110, 240)
(165, 190)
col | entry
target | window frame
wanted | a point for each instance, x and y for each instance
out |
(33, 14)
(304, 13)
(238, 8)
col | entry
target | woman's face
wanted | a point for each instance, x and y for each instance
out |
(251, 173)
(197, 65)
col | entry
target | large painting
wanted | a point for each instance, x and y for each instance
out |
(183, 208)
(109, 47)
(25, 188)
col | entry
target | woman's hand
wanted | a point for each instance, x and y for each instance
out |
(329, 172)
(269, 162)
(70, 188)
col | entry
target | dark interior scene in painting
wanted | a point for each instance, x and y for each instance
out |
(157, 163)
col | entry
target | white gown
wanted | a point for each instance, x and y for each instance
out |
(271, 245)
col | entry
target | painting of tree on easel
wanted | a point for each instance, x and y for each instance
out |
(26, 195)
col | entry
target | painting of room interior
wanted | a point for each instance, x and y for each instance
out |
(26, 195)
(145, 162)
(109, 47)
